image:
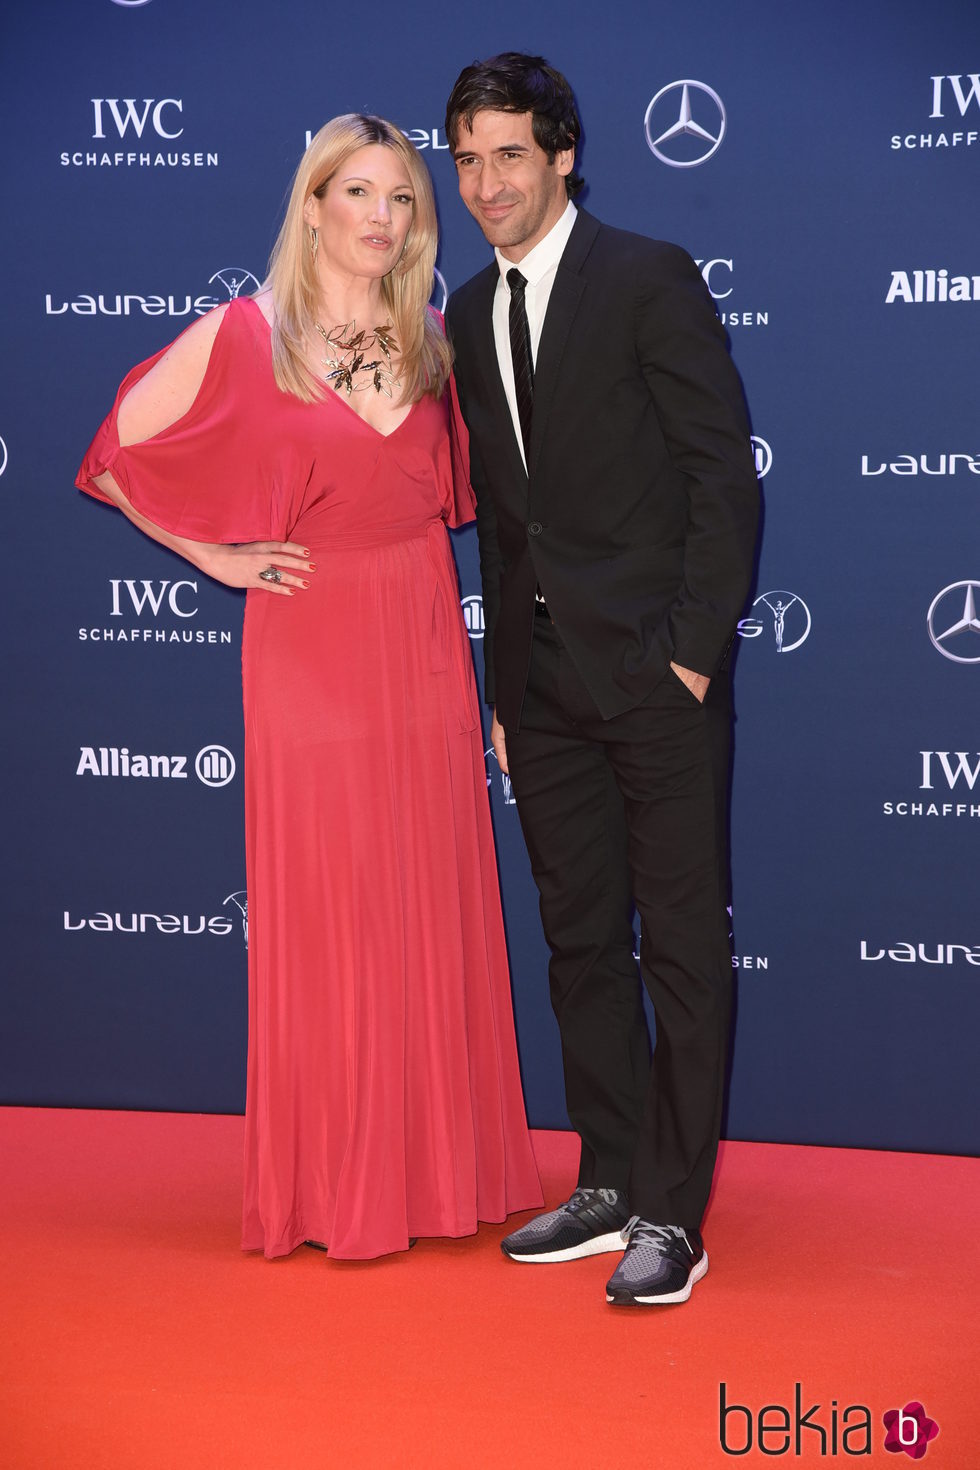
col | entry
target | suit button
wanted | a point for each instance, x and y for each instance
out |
(534, 528)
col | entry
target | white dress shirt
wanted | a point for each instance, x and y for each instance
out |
(538, 268)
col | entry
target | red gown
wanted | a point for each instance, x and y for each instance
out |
(383, 1092)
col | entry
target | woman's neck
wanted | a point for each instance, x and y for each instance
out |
(344, 299)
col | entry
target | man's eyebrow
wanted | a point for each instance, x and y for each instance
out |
(501, 148)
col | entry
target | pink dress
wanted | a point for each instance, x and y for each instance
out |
(383, 1093)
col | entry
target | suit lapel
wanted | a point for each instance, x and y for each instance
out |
(485, 352)
(566, 295)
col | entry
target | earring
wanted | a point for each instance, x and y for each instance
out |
(314, 242)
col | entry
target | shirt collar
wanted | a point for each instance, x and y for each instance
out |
(546, 253)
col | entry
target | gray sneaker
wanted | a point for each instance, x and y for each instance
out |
(661, 1264)
(589, 1223)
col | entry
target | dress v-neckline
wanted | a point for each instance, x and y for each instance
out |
(335, 394)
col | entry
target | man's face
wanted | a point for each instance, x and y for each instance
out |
(506, 182)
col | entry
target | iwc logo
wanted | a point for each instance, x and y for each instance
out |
(949, 775)
(952, 623)
(956, 98)
(684, 130)
(141, 132)
(153, 612)
(718, 275)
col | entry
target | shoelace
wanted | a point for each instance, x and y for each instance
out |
(581, 1198)
(655, 1237)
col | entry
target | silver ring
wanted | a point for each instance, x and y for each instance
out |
(271, 574)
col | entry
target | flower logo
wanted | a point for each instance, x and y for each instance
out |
(909, 1429)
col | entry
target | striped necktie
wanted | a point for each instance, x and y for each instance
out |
(520, 352)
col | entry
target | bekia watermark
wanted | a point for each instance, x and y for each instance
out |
(779, 1429)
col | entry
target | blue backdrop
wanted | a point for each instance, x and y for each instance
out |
(827, 184)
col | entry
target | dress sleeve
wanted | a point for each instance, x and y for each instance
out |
(457, 493)
(205, 476)
(463, 502)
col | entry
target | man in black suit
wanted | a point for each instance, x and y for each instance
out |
(617, 505)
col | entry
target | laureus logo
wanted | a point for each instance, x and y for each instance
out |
(235, 280)
(788, 616)
(492, 764)
(240, 899)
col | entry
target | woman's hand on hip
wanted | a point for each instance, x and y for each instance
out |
(243, 566)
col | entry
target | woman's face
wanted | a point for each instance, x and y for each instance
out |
(366, 213)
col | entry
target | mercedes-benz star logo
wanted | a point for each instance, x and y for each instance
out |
(965, 627)
(664, 142)
(235, 279)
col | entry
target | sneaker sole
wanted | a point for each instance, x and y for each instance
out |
(597, 1246)
(623, 1297)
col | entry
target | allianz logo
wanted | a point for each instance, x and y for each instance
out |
(916, 287)
(924, 464)
(472, 606)
(104, 922)
(906, 953)
(214, 765)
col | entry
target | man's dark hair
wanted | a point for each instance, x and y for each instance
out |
(513, 82)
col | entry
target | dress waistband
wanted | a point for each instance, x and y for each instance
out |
(364, 540)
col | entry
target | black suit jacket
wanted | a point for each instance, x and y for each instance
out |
(637, 514)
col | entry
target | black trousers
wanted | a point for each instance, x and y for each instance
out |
(633, 810)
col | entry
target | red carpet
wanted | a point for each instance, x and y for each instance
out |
(136, 1336)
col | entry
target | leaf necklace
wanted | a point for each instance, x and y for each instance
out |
(349, 351)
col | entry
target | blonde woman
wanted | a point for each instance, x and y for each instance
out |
(303, 444)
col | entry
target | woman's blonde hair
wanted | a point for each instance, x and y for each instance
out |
(425, 356)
